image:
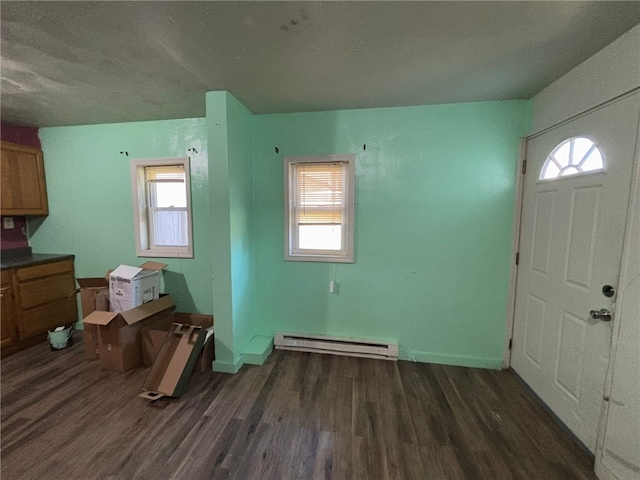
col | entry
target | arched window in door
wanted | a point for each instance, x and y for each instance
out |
(573, 156)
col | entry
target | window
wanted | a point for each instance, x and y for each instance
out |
(319, 208)
(162, 207)
(572, 157)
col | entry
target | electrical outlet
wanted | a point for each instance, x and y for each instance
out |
(332, 285)
(7, 223)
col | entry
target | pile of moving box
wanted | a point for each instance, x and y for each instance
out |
(128, 324)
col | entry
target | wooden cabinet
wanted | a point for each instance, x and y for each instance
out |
(41, 297)
(8, 315)
(23, 189)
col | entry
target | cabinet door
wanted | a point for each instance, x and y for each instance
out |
(8, 317)
(45, 317)
(46, 296)
(23, 185)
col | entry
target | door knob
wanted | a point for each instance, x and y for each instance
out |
(602, 314)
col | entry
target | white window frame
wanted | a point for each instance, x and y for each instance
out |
(551, 158)
(141, 204)
(291, 250)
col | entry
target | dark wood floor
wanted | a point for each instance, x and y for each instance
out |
(299, 416)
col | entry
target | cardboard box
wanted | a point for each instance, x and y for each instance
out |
(119, 338)
(169, 375)
(89, 289)
(94, 295)
(130, 287)
(154, 336)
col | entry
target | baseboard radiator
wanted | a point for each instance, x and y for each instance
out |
(336, 345)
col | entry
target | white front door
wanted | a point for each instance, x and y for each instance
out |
(570, 248)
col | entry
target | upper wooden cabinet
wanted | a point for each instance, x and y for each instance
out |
(23, 189)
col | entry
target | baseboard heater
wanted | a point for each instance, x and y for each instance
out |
(336, 345)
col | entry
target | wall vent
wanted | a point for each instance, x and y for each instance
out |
(336, 345)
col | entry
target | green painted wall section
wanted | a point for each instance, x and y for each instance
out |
(220, 240)
(90, 203)
(230, 127)
(240, 149)
(434, 207)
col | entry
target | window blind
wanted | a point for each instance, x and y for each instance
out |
(319, 195)
(168, 173)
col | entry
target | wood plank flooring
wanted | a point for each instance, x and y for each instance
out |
(299, 416)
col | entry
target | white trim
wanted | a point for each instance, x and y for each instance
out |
(602, 472)
(629, 254)
(515, 246)
(139, 201)
(347, 255)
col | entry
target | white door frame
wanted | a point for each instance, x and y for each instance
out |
(515, 246)
(630, 239)
(515, 236)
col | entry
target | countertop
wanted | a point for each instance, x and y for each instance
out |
(23, 257)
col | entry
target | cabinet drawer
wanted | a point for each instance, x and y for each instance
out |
(46, 269)
(47, 289)
(41, 319)
(6, 279)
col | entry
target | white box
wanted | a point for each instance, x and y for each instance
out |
(130, 287)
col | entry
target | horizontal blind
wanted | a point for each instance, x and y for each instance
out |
(166, 173)
(319, 195)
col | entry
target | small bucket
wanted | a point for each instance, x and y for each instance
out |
(60, 337)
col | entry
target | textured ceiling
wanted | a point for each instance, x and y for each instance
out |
(71, 63)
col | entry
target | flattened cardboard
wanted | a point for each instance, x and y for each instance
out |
(155, 266)
(152, 341)
(151, 308)
(153, 337)
(169, 375)
(100, 318)
(119, 338)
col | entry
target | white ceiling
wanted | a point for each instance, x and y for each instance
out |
(72, 63)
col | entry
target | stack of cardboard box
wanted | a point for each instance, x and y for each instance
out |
(128, 324)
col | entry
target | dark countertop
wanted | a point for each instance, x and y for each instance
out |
(24, 258)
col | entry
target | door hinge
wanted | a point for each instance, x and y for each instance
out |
(510, 343)
(517, 258)
(524, 166)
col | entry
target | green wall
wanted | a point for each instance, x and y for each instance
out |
(240, 138)
(434, 207)
(90, 204)
(230, 130)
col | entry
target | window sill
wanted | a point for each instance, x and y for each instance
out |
(317, 258)
(165, 253)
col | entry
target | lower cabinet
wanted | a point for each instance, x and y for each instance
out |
(9, 315)
(41, 297)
